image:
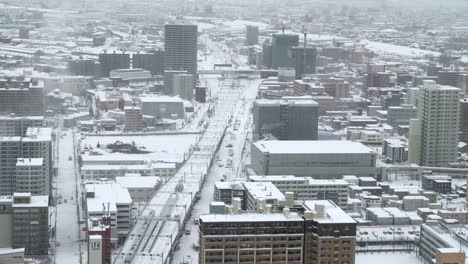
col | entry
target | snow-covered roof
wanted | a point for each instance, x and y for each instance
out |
(29, 162)
(263, 190)
(36, 201)
(104, 193)
(216, 218)
(332, 213)
(160, 99)
(312, 147)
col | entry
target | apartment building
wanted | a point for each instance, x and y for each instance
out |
(13, 125)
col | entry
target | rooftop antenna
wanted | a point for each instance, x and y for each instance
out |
(282, 28)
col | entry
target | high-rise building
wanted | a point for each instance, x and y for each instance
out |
(303, 66)
(379, 79)
(448, 78)
(37, 143)
(83, 67)
(330, 234)
(267, 54)
(323, 234)
(184, 85)
(169, 81)
(251, 35)
(439, 112)
(251, 238)
(31, 223)
(13, 125)
(463, 83)
(31, 177)
(113, 61)
(464, 120)
(286, 120)
(133, 119)
(152, 61)
(280, 49)
(180, 48)
(24, 100)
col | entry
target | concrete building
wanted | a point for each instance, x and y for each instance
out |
(464, 120)
(306, 188)
(22, 101)
(401, 115)
(31, 223)
(441, 243)
(439, 113)
(395, 150)
(304, 60)
(37, 143)
(184, 85)
(450, 78)
(113, 61)
(267, 54)
(12, 256)
(226, 192)
(99, 240)
(133, 119)
(251, 35)
(253, 238)
(84, 67)
(152, 61)
(31, 177)
(260, 194)
(441, 184)
(130, 74)
(180, 48)
(169, 81)
(140, 188)
(330, 234)
(286, 120)
(13, 125)
(163, 107)
(94, 172)
(111, 199)
(318, 159)
(280, 47)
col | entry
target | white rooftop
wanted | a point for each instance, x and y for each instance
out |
(254, 217)
(29, 162)
(332, 213)
(160, 99)
(312, 147)
(105, 193)
(263, 190)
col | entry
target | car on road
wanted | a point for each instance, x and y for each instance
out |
(187, 231)
(70, 157)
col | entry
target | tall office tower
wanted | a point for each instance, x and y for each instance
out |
(37, 143)
(280, 48)
(152, 61)
(113, 61)
(439, 112)
(307, 66)
(30, 176)
(267, 54)
(379, 79)
(180, 48)
(464, 120)
(13, 125)
(286, 120)
(83, 67)
(251, 35)
(184, 85)
(22, 101)
(169, 81)
(448, 78)
(463, 83)
(31, 223)
(330, 234)
(133, 119)
(251, 238)
(375, 68)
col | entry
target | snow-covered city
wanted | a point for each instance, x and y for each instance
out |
(227, 132)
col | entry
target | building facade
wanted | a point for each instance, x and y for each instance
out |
(180, 48)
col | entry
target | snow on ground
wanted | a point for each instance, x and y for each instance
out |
(67, 223)
(387, 48)
(395, 257)
(240, 24)
(167, 148)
